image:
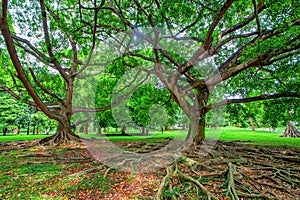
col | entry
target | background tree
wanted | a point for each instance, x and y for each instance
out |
(9, 113)
(150, 106)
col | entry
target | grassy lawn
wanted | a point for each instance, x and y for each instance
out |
(14, 137)
(258, 137)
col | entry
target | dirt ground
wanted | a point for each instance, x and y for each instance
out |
(230, 170)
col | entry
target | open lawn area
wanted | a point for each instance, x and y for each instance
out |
(258, 137)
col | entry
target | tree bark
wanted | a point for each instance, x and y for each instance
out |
(99, 132)
(196, 132)
(86, 127)
(63, 135)
(291, 131)
(123, 130)
(147, 130)
(28, 127)
(197, 127)
(5, 131)
(143, 130)
(251, 123)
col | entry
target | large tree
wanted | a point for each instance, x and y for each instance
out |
(192, 47)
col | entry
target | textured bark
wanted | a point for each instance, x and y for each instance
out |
(63, 135)
(251, 123)
(5, 130)
(142, 130)
(291, 131)
(123, 130)
(86, 127)
(99, 132)
(196, 131)
(147, 130)
(28, 127)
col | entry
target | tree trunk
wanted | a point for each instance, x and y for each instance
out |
(5, 131)
(291, 131)
(94, 126)
(147, 130)
(99, 132)
(86, 127)
(63, 135)
(28, 127)
(123, 130)
(37, 130)
(143, 130)
(251, 123)
(196, 131)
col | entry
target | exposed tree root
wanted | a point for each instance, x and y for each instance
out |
(173, 171)
(228, 173)
(60, 138)
(231, 191)
(231, 170)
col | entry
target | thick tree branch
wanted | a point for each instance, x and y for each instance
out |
(18, 97)
(250, 99)
(17, 64)
(220, 44)
(263, 59)
(203, 52)
(256, 16)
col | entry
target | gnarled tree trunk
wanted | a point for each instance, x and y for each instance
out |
(291, 131)
(86, 127)
(198, 121)
(196, 132)
(63, 135)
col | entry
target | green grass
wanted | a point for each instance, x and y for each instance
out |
(258, 137)
(16, 137)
